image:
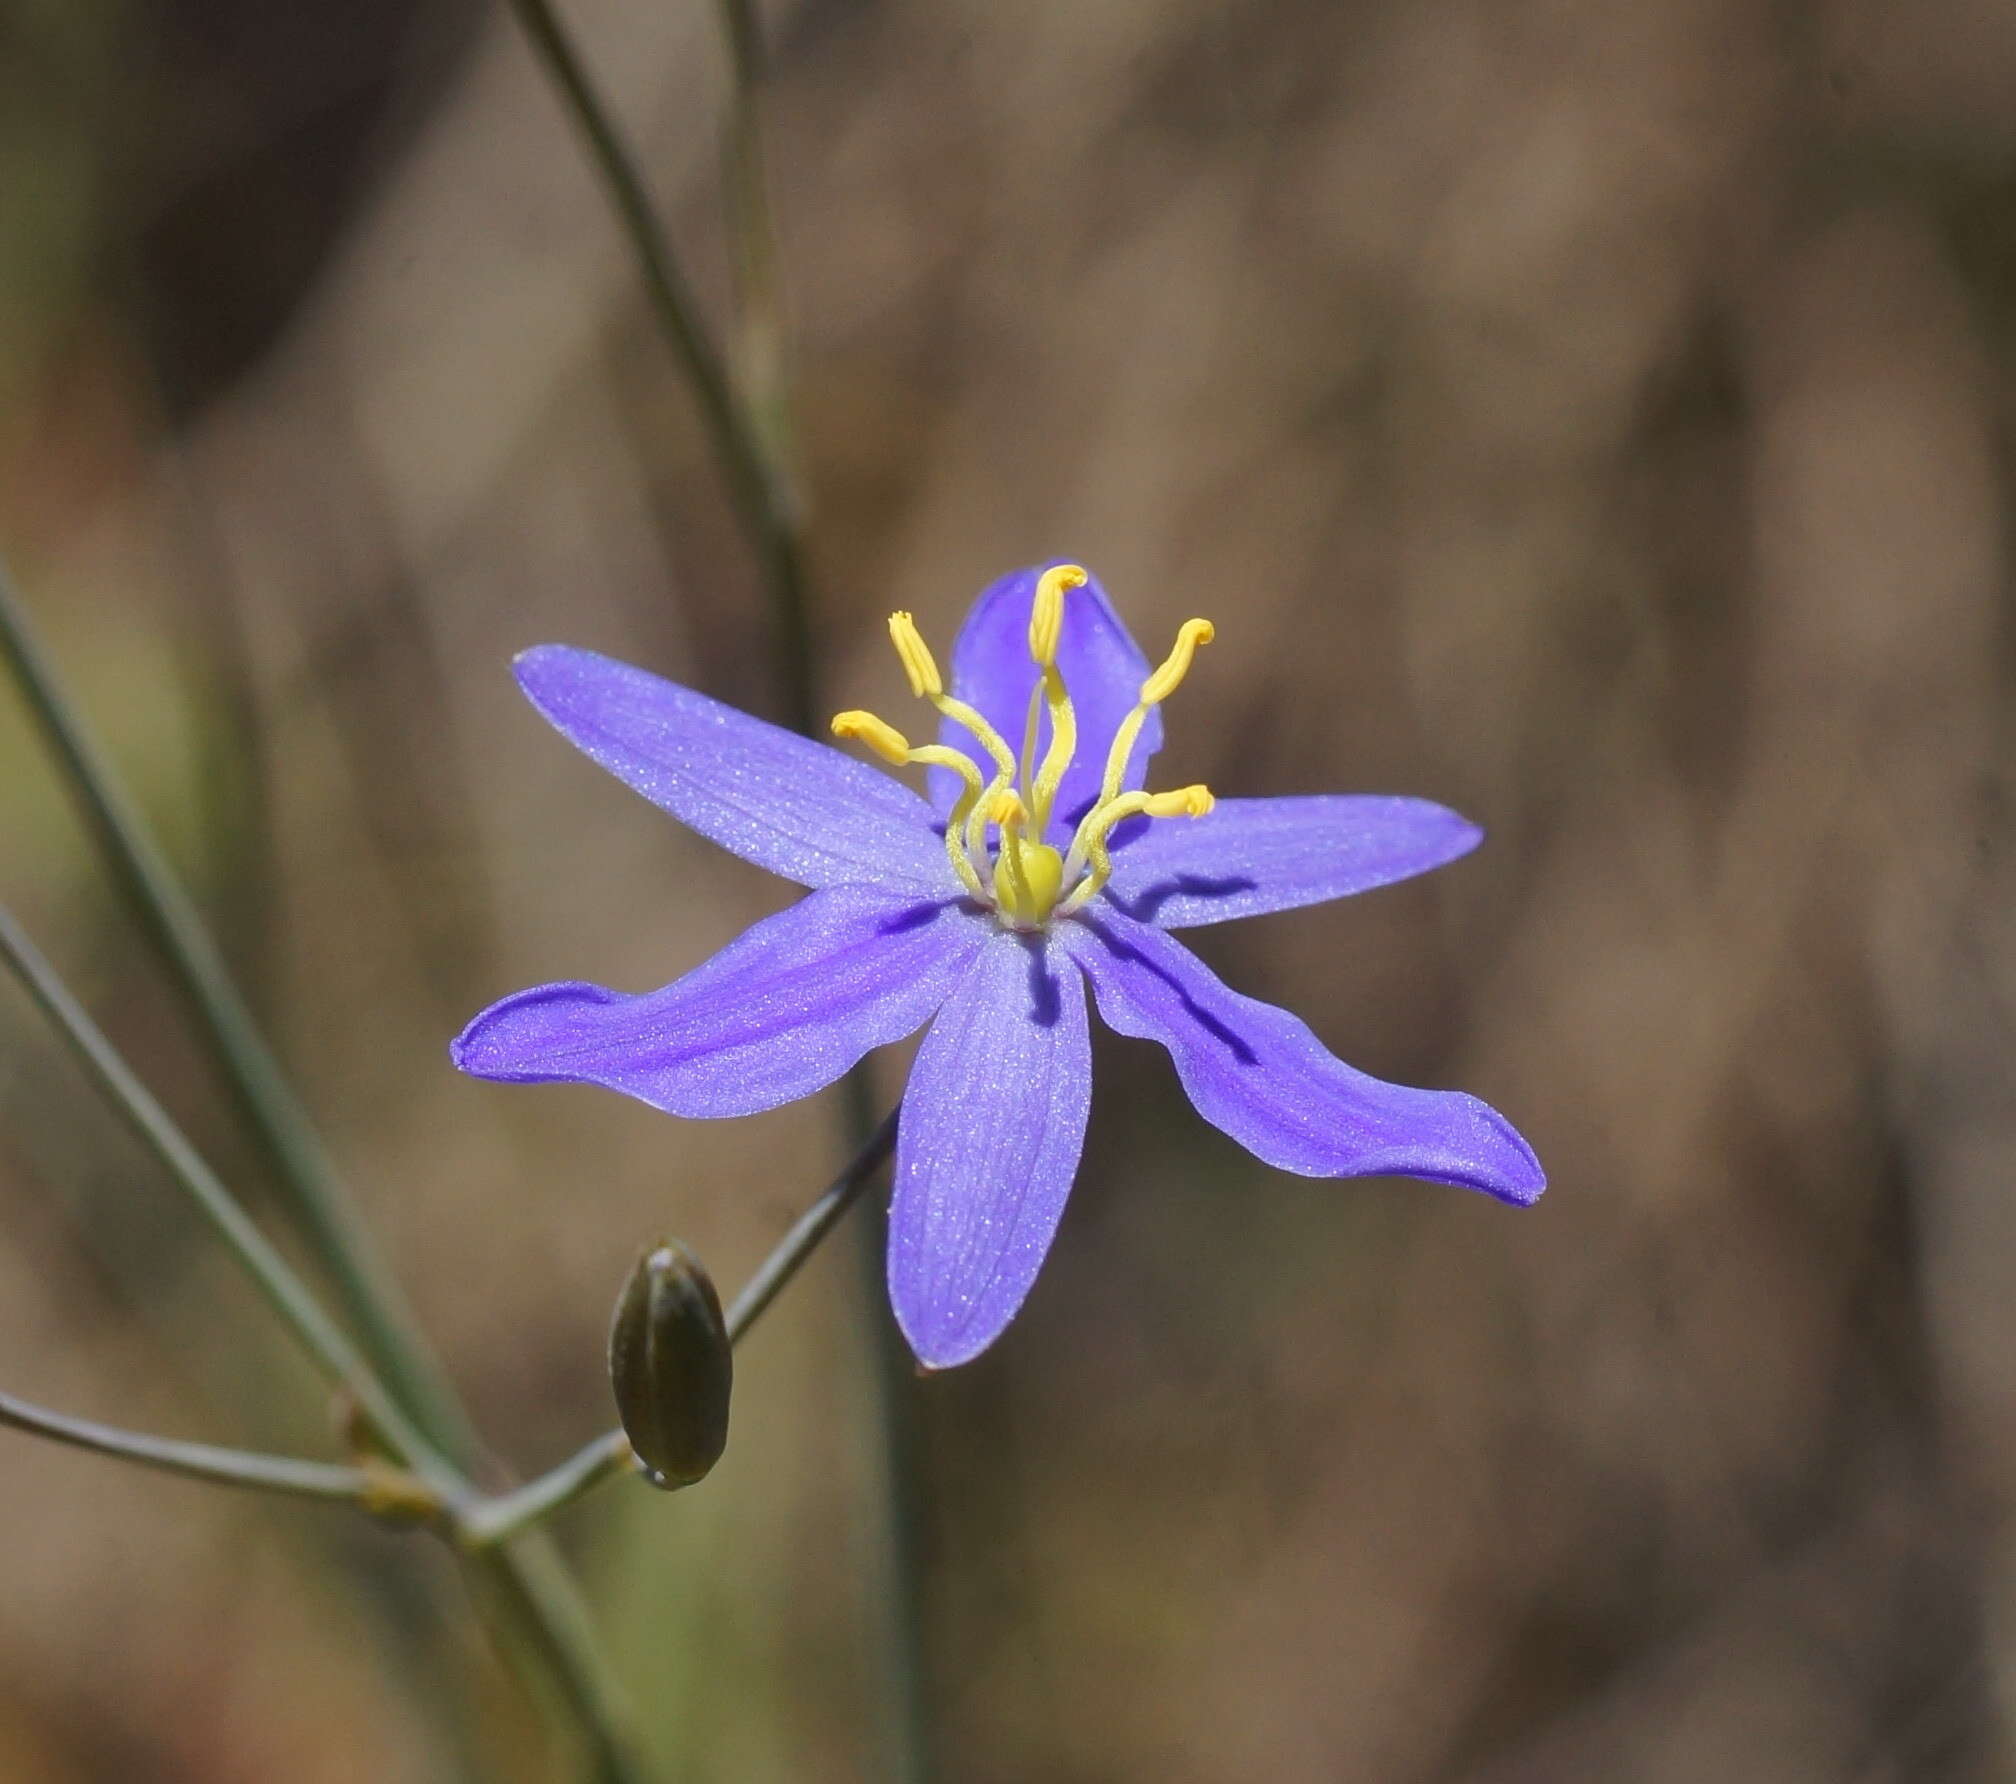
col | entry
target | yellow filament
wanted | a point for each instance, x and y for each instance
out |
(957, 850)
(1089, 845)
(1157, 688)
(1004, 767)
(988, 738)
(918, 663)
(1063, 746)
(1046, 612)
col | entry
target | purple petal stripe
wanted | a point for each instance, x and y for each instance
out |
(780, 1012)
(797, 807)
(992, 1125)
(1254, 855)
(1258, 1074)
(1102, 666)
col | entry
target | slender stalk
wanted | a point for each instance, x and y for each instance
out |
(536, 1596)
(893, 1458)
(476, 1523)
(761, 496)
(751, 452)
(760, 341)
(208, 1462)
(285, 1292)
(541, 1608)
(491, 1520)
(791, 1251)
(315, 1196)
(893, 1467)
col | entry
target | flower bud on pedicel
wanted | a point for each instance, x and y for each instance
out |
(671, 1366)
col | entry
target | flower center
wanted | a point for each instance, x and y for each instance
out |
(994, 837)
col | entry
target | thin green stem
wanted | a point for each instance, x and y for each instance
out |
(541, 1610)
(761, 495)
(423, 1420)
(204, 1461)
(419, 1418)
(287, 1294)
(492, 1520)
(533, 1592)
(752, 454)
(315, 1196)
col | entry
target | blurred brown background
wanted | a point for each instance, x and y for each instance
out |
(1595, 416)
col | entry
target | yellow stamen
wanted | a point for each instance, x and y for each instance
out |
(1046, 632)
(1046, 613)
(1157, 688)
(927, 684)
(1089, 845)
(893, 747)
(1027, 875)
(918, 663)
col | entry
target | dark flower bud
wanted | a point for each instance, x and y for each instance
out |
(671, 1366)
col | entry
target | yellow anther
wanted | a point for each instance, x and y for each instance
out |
(1184, 802)
(1046, 613)
(918, 663)
(883, 738)
(1167, 679)
(1006, 808)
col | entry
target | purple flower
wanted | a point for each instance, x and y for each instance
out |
(984, 911)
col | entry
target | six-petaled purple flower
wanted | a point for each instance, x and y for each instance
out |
(983, 911)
